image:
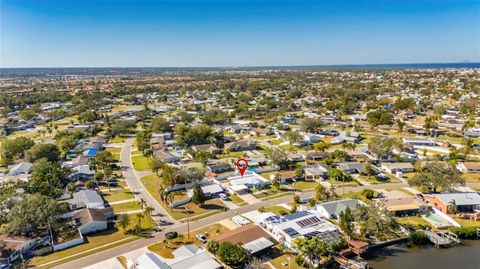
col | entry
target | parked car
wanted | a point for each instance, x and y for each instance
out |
(202, 238)
(171, 235)
(223, 196)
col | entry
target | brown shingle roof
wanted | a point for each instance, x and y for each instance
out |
(243, 235)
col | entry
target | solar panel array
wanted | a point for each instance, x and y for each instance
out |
(291, 232)
(309, 222)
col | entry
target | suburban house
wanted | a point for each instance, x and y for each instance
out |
(316, 155)
(403, 206)
(210, 148)
(191, 256)
(417, 141)
(218, 168)
(82, 172)
(241, 145)
(344, 137)
(393, 168)
(86, 198)
(20, 169)
(332, 210)
(210, 191)
(310, 138)
(304, 223)
(261, 132)
(464, 201)
(352, 167)
(315, 172)
(469, 167)
(90, 220)
(168, 157)
(250, 180)
(252, 237)
(14, 246)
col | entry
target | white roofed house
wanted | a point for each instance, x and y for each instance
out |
(316, 172)
(186, 257)
(20, 171)
(469, 167)
(304, 223)
(334, 208)
(210, 191)
(392, 168)
(86, 198)
(250, 180)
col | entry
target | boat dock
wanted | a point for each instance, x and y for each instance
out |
(443, 239)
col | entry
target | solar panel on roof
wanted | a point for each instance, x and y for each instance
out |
(291, 232)
(309, 221)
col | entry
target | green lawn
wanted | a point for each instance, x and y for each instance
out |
(283, 259)
(237, 200)
(275, 142)
(93, 241)
(152, 183)
(278, 210)
(268, 194)
(137, 152)
(117, 195)
(117, 139)
(140, 163)
(467, 222)
(413, 220)
(470, 177)
(128, 206)
(341, 183)
(238, 154)
(306, 185)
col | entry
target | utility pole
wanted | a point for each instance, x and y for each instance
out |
(188, 222)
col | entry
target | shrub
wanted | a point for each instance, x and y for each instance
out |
(418, 238)
(465, 232)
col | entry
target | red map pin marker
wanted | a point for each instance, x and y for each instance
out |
(242, 165)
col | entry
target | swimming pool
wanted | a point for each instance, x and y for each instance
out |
(437, 220)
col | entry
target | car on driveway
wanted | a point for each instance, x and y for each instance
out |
(223, 196)
(202, 238)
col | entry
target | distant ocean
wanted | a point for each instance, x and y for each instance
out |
(152, 70)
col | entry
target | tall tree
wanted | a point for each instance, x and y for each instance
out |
(48, 178)
(198, 197)
(437, 175)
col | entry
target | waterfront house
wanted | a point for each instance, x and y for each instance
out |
(464, 201)
(332, 210)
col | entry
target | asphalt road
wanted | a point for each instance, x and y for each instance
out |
(160, 216)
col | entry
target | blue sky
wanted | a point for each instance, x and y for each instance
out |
(236, 33)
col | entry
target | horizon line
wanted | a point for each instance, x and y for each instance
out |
(247, 66)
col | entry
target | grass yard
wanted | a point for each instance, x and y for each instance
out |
(117, 195)
(305, 185)
(283, 259)
(268, 193)
(276, 209)
(165, 248)
(341, 183)
(117, 139)
(467, 222)
(238, 154)
(152, 183)
(136, 152)
(470, 177)
(275, 142)
(413, 220)
(93, 241)
(124, 207)
(140, 163)
(237, 200)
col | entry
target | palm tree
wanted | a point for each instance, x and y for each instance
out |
(142, 203)
(148, 211)
(452, 207)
